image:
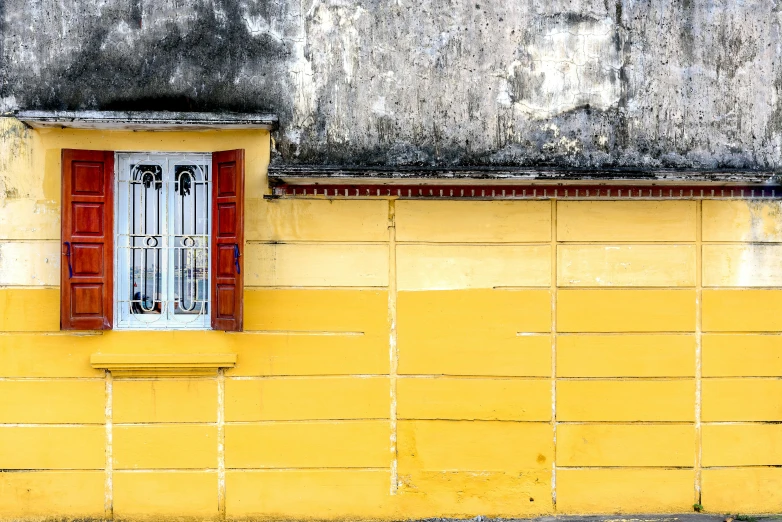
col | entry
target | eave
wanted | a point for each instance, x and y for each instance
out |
(520, 183)
(147, 120)
(302, 175)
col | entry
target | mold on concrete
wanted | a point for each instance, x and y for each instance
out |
(586, 84)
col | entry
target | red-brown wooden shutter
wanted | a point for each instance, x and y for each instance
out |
(227, 239)
(86, 280)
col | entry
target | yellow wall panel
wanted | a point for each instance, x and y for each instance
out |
(466, 318)
(473, 221)
(742, 400)
(30, 263)
(625, 445)
(161, 494)
(346, 444)
(18, 147)
(316, 220)
(485, 399)
(626, 355)
(474, 446)
(304, 354)
(742, 220)
(749, 490)
(71, 447)
(626, 220)
(28, 218)
(45, 355)
(166, 446)
(308, 494)
(455, 267)
(510, 355)
(468, 494)
(308, 264)
(52, 494)
(29, 310)
(621, 401)
(317, 310)
(181, 400)
(742, 310)
(625, 490)
(740, 355)
(625, 310)
(626, 265)
(742, 265)
(304, 399)
(52, 401)
(742, 445)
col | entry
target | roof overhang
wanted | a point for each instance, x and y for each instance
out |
(305, 175)
(147, 120)
(520, 183)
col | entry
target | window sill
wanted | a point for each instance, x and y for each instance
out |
(162, 365)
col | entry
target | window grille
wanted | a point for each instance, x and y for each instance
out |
(162, 267)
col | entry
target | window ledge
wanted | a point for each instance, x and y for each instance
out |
(154, 365)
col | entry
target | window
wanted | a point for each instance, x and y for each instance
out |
(162, 240)
(152, 240)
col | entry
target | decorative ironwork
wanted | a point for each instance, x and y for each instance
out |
(163, 227)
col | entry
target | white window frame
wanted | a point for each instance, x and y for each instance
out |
(167, 319)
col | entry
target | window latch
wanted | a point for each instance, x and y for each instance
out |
(236, 258)
(68, 255)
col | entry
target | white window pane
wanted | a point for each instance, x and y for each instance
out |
(162, 251)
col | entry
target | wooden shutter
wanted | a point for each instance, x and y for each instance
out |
(227, 239)
(86, 277)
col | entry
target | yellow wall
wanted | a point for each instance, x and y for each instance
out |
(406, 359)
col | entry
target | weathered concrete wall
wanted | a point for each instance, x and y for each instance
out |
(643, 83)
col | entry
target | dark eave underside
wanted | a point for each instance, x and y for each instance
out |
(295, 175)
(147, 120)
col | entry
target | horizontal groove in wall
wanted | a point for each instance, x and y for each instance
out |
(623, 333)
(261, 470)
(49, 379)
(351, 420)
(62, 333)
(571, 288)
(309, 242)
(29, 287)
(624, 422)
(50, 470)
(166, 470)
(747, 377)
(48, 425)
(273, 287)
(624, 467)
(473, 243)
(162, 423)
(612, 242)
(298, 332)
(340, 376)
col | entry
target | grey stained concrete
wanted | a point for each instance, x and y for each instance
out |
(568, 83)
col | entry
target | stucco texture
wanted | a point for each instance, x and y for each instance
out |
(575, 83)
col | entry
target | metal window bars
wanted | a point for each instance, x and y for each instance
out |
(162, 273)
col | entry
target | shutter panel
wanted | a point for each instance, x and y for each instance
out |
(227, 239)
(86, 275)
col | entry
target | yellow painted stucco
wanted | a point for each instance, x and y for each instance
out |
(405, 359)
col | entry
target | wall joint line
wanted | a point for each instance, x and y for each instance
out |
(698, 346)
(393, 353)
